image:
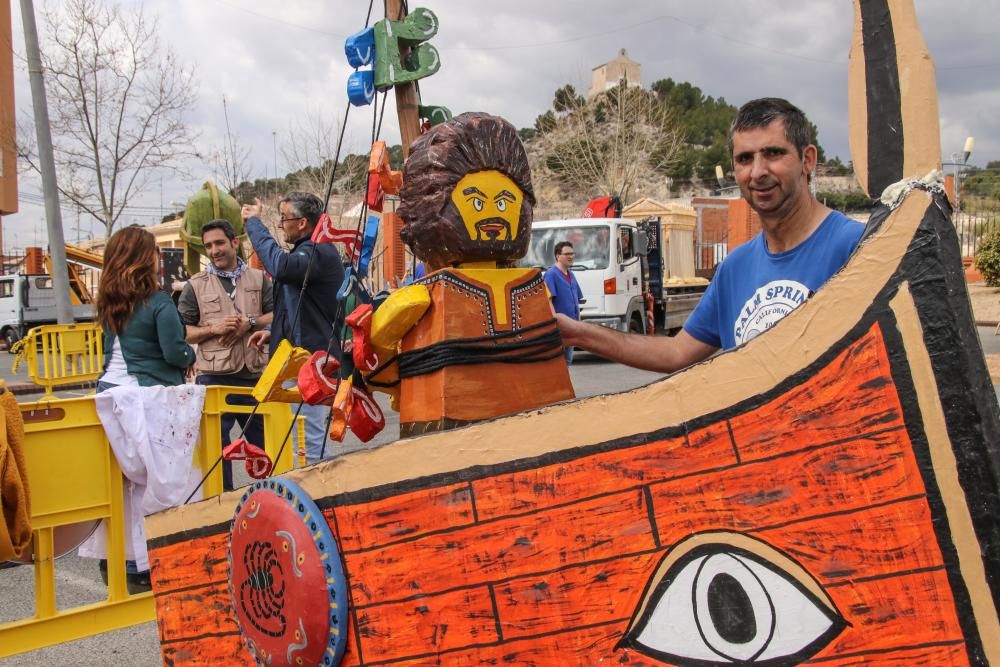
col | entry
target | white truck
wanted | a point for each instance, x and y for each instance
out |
(28, 301)
(622, 288)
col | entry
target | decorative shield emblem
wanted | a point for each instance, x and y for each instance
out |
(286, 580)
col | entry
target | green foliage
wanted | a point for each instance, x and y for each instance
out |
(566, 100)
(834, 167)
(988, 258)
(545, 123)
(852, 200)
(527, 134)
(981, 188)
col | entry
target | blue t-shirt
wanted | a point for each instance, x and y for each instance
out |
(566, 294)
(754, 288)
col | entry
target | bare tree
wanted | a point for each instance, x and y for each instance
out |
(609, 144)
(117, 105)
(234, 165)
(310, 151)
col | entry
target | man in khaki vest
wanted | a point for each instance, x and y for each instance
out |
(221, 307)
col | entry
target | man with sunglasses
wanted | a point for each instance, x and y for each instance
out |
(309, 317)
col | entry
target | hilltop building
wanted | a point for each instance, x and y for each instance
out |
(610, 73)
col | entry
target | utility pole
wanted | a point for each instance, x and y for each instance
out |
(53, 216)
(407, 102)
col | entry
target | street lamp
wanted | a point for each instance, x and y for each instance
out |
(960, 160)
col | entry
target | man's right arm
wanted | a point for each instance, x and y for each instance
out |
(661, 354)
(190, 312)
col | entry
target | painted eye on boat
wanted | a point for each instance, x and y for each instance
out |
(733, 600)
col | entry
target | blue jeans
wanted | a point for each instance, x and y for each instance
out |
(316, 416)
(252, 431)
(568, 352)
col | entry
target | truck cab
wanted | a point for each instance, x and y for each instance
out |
(607, 265)
(28, 301)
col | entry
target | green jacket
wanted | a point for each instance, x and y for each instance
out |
(153, 343)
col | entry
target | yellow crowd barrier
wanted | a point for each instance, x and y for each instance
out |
(75, 480)
(58, 354)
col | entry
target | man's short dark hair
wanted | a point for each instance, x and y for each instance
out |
(305, 204)
(559, 247)
(224, 225)
(764, 111)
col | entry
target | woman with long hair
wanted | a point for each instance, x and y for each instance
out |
(143, 333)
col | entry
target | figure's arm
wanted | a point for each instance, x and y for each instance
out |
(397, 315)
(662, 354)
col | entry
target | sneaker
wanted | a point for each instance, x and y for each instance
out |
(138, 582)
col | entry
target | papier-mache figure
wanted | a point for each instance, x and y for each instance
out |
(475, 338)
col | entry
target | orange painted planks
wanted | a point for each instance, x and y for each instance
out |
(932, 656)
(208, 652)
(197, 612)
(853, 394)
(604, 472)
(430, 624)
(189, 563)
(836, 478)
(372, 524)
(600, 528)
(872, 542)
(574, 597)
(908, 610)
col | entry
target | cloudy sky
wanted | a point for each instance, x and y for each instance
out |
(277, 62)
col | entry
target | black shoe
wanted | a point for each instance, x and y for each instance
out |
(138, 582)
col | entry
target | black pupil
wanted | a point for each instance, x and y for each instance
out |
(731, 610)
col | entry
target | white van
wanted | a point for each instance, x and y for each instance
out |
(28, 301)
(607, 265)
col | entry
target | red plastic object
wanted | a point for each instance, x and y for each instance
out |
(366, 416)
(325, 232)
(360, 322)
(258, 463)
(318, 379)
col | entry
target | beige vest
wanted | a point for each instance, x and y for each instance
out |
(214, 305)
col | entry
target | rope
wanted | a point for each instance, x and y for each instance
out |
(477, 350)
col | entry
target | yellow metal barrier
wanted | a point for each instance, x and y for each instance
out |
(75, 478)
(58, 354)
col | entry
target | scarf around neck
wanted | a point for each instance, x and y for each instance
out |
(241, 266)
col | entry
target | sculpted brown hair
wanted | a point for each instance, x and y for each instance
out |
(438, 160)
(129, 278)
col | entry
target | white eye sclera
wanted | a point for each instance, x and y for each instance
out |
(723, 606)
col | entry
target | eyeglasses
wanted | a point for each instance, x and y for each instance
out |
(282, 221)
(568, 254)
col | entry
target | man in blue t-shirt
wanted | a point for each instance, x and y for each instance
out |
(563, 287)
(802, 244)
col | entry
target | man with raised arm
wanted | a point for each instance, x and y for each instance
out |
(311, 323)
(802, 244)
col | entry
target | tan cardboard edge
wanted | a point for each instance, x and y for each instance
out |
(963, 534)
(726, 379)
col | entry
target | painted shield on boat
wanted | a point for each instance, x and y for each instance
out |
(285, 578)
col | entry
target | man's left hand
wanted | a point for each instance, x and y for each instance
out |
(251, 210)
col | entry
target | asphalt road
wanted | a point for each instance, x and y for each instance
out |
(78, 581)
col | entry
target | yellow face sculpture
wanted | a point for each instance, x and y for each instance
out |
(490, 205)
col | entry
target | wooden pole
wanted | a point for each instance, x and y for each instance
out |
(406, 93)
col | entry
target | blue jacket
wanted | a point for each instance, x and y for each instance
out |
(320, 315)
